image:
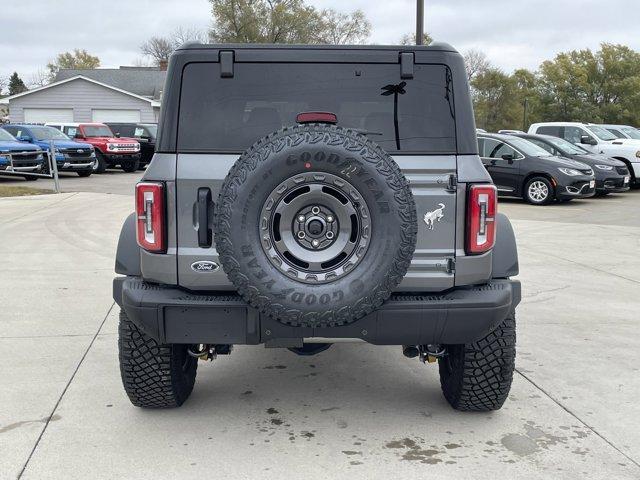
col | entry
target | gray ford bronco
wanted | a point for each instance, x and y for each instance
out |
(301, 196)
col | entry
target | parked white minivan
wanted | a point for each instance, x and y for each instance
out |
(596, 139)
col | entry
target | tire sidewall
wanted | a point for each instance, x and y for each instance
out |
(350, 296)
(101, 164)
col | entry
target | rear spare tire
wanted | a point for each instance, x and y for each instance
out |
(315, 225)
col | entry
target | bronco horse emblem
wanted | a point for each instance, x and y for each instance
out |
(436, 215)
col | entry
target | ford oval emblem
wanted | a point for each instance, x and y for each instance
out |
(204, 266)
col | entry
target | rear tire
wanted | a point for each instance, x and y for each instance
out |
(153, 375)
(477, 376)
(101, 163)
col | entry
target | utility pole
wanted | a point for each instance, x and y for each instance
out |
(524, 114)
(420, 22)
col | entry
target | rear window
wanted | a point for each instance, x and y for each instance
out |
(552, 130)
(230, 114)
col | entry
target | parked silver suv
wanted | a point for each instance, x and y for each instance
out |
(301, 196)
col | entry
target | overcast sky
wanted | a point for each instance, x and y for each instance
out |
(513, 33)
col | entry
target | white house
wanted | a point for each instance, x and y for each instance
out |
(125, 94)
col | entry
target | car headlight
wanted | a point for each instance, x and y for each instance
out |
(4, 158)
(570, 171)
(111, 146)
(604, 167)
(638, 154)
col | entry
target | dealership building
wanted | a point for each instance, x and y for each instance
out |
(125, 94)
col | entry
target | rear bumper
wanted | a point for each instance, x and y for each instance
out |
(173, 315)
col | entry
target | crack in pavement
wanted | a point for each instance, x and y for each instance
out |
(574, 415)
(64, 391)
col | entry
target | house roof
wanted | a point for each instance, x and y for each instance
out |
(155, 103)
(143, 81)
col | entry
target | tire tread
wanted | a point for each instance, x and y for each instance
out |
(482, 373)
(149, 371)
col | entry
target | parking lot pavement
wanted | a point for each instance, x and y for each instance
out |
(112, 181)
(355, 411)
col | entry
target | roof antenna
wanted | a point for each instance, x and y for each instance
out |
(420, 22)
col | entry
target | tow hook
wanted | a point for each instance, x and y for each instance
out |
(426, 353)
(207, 352)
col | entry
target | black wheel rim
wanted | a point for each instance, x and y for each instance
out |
(315, 228)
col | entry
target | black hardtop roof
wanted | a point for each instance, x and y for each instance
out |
(435, 46)
(434, 54)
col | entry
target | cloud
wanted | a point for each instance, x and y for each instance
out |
(514, 34)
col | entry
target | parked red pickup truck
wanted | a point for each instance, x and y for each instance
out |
(111, 151)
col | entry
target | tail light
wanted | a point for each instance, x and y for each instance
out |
(481, 218)
(150, 214)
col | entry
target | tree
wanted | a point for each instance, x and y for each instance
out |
(16, 85)
(476, 63)
(4, 83)
(39, 79)
(284, 21)
(527, 96)
(341, 28)
(159, 49)
(78, 59)
(581, 85)
(601, 86)
(495, 102)
(410, 39)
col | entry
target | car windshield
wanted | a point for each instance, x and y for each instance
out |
(6, 136)
(567, 147)
(632, 133)
(602, 133)
(97, 131)
(48, 133)
(528, 148)
(153, 130)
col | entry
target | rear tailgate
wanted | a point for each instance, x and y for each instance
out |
(220, 117)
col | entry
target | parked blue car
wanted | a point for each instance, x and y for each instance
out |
(71, 156)
(16, 156)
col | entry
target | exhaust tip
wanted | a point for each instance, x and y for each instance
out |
(410, 351)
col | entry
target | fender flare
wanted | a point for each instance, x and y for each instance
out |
(128, 252)
(505, 251)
